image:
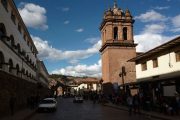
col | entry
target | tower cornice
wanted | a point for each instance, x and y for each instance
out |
(119, 44)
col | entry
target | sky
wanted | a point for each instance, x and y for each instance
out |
(66, 32)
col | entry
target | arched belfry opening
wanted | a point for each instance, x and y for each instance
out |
(125, 33)
(115, 33)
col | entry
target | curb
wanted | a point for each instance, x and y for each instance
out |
(142, 113)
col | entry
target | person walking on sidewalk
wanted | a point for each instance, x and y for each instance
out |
(136, 103)
(130, 103)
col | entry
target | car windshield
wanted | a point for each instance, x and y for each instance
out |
(47, 101)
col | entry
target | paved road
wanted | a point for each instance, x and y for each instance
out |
(67, 110)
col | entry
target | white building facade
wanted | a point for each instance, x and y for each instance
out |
(158, 70)
(19, 75)
(17, 50)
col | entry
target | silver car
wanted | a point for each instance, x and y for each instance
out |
(48, 104)
(78, 99)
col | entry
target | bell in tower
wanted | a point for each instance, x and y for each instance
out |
(117, 47)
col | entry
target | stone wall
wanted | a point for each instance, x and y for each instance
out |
(13, 86)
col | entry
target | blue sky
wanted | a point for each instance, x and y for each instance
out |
(66, 32)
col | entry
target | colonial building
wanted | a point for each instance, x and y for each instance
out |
(158, 70)
(88, 84)
(43, 75)
(17, 50)
(117, 47)
(18, 59)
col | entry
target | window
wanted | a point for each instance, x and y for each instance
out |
(26, 72)
(13, 18)
(10, 65)
(5, 4)
(17, 68)
(178, 56)
(19, 48)
(2, 30)
(22, 71)
(1, 60)
(144, 66)
(155, 63)
(28, 43)
(125, 33)
(19, 28)
(24, 36)
(12, 41)
(27, 57)
(115, 33)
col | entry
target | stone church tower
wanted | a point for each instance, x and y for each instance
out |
(117, 47)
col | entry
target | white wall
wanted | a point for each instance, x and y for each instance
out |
(166, 64)
(12, 29)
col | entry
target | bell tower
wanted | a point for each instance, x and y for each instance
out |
(117, 46)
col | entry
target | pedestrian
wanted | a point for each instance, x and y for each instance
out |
(12, 101)
(130, 103)
(94, 98)
(136, 103)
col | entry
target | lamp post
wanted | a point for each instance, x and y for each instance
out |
(122, 74)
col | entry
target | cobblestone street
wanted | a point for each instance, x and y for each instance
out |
(67, 110)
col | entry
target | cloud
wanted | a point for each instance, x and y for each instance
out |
(66, 22)
(65, 9)
(161, 8)
(151, 16)
(33, 15)
(176, 23)
(175, 29)
(74, 61)
(148, 41)
(48, 52)
(92, 40)
(81, 70)
(154, 28)
(79, 30)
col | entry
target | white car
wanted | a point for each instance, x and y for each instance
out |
(48, 104)
(78, 99)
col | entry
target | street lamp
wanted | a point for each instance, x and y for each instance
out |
(122, 74)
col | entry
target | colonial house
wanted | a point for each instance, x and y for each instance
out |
(158, 70)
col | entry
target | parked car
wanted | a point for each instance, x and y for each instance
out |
(78, 99)
(48, 104)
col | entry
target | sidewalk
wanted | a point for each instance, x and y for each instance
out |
(147, 113)
(21, 115)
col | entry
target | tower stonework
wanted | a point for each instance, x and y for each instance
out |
(117, 46)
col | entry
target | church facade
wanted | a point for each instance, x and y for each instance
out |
(117, 47)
